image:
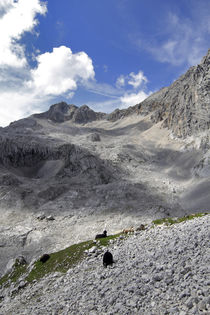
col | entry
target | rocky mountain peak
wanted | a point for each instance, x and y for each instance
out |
(61, 107)
(85, 114)
(61, 112)
(183, 107)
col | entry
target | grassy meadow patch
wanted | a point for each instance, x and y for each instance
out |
(59, 261)
(170, 221)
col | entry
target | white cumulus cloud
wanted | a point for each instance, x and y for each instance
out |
(130, 99)
(137, 79)
(15, 105)
(60, 71)
(24, 90)
(18, 18)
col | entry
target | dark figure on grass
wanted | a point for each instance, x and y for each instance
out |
(101, 235)
(44, 258)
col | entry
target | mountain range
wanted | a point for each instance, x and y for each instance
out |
(70, 172)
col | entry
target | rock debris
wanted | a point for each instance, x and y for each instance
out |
(160, 270)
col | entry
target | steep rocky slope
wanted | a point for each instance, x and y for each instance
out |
(161, 270)
(184, 106)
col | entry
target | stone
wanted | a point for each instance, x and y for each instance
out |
(95, 137)
(93, 249)
(202, 305)
(22, 284)
(41, 217)
(158, 277)
(50, 218)
(20, 260)
(189, 303)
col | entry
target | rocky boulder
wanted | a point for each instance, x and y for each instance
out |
(95, 137)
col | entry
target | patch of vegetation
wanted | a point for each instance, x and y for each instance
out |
(4, 279)
(17, 271)
(60, 261)
(105, 240)
(170, 221)
(63, 260)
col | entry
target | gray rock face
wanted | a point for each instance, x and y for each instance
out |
(121, 113)
(185, 106)
(84, 114)
(29, 159)
(58, 112)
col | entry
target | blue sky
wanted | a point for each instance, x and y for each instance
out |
(107, 54)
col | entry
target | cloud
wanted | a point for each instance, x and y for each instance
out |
(4, 6)
(130, 99)
(183, 42)
(103, 89)
(180, 37)
(120, 81)
(20, 104)
(57, 73)
(18, 18)
(106, 106)
(24, 90)
(130, 90)
(60, 71)
(121, 102)
(137, 79)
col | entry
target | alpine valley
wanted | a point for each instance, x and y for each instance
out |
(70, 173)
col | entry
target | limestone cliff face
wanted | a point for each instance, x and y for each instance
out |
(37, 158)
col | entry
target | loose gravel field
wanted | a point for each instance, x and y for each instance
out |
(162, 270)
